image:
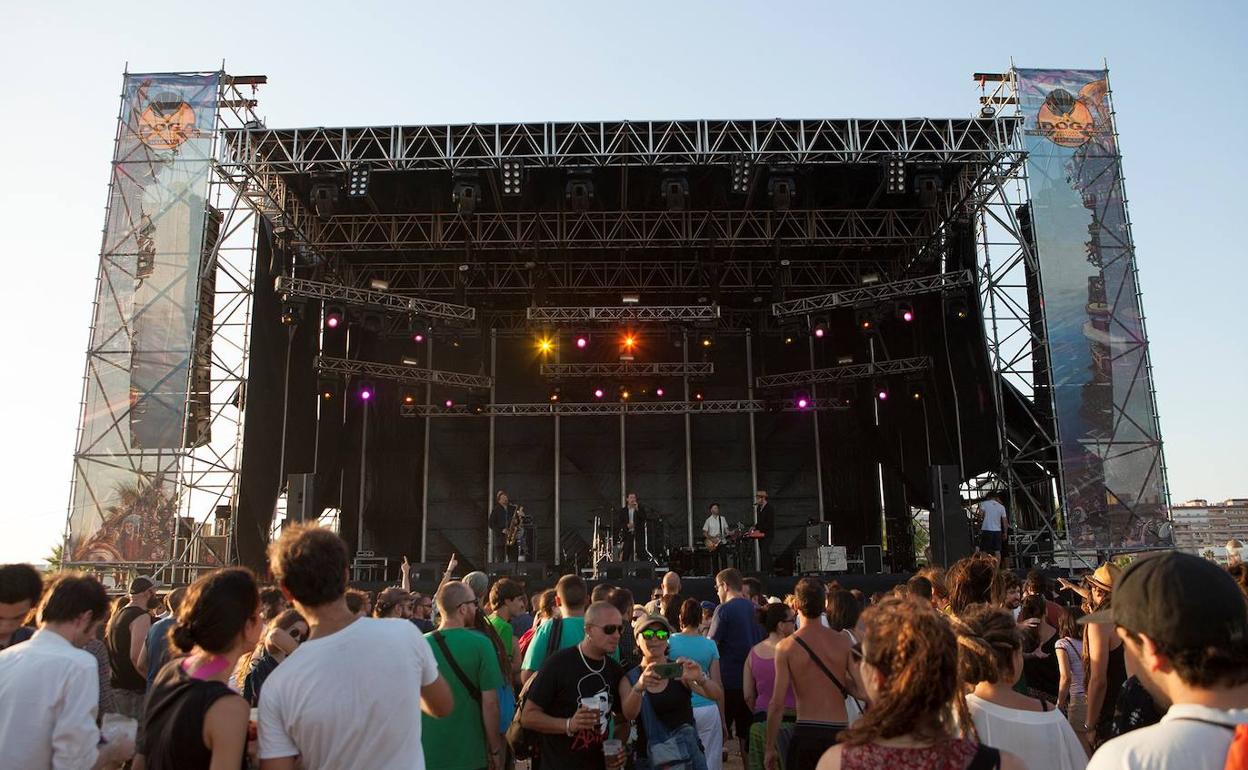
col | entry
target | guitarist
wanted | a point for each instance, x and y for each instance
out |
(715, 532)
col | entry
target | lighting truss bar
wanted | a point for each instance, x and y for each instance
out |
(844, 373)
(626, 369)
(399, 373)
(879, 292)
(647, 407)
(755, 277)
(623, 229)
(649, 143)
(608, 314)
(304, 287)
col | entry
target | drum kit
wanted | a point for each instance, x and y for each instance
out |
(651, 545)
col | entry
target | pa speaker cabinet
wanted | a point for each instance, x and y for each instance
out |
(949, 532)
(299, 494)
(872, 559)
(824, 558)
(818, 534)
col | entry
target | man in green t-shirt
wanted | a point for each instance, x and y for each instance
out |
(507, 600)
(469, 738)
(570, 596)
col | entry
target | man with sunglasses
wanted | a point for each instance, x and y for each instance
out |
(469, 738)
(573, 694)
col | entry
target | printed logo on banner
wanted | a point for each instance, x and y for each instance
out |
(166, 122)
(1071, 120)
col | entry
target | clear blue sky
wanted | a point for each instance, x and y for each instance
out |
(1176, 70)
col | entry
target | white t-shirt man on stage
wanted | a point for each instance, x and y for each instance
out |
(995, 525)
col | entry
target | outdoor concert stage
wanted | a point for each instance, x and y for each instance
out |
(393, 323)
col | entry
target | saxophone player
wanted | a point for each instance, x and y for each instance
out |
(499, 517)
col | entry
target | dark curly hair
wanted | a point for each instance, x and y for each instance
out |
(987, 642)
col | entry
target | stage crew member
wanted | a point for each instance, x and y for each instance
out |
(765, 522)
(630, 524)
(500, 516)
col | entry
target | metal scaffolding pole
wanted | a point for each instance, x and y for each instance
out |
(815, 416)
(359, 513)
(558, 539)
(424, 486)
(684, 352)
(489, 531)
(749, 389)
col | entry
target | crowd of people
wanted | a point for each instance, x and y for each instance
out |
(1144, 666)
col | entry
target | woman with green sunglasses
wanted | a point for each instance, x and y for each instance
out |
(661, 694)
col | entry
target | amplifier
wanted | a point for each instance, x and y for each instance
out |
(824, 558)
(819, 534)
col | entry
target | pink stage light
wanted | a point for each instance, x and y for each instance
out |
(332, 321)
(418, 337)
(659, 392)
(598, 393)
(803, 402)
(819, 332)
(907, 316)
(581, 343)
(448, 403)
(366, 393)
(882, 395)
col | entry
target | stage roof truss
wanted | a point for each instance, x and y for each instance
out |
(565, 409)
(615, 314)
(875, 293)
(850, 372)
(385, 300)
(401, 373)
(627, 369)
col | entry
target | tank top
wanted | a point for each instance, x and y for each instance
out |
(764, 672)
(171, 733)
(1115, 678)
(950, 755)
(124, 675)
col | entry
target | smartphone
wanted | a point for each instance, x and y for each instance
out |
(669, 670)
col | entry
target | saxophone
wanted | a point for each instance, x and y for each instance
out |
(513, 526)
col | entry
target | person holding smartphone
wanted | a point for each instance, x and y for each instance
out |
(661, 700)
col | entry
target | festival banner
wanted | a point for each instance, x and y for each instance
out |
(1114, 493)
(143, 334)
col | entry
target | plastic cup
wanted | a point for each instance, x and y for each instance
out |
(612, 747)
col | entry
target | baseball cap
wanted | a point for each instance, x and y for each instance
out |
(708, 605)
(1178, 600)
(651, 620)
(142, 583)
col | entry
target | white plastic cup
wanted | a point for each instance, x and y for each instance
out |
(612, 747)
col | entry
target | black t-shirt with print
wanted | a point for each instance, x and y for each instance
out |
(562, 683)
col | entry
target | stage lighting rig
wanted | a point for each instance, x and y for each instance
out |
(782, 188)
(324, 195)
(418, 329)
(465, 192)
(905, 312)
(819, 326)
(865, 320)
(958, 309)
(742, 171)
(880, 389)
(555, 394)
(578, 192)
(582, 341)
(895, 173)
(358, 177)
(366, 390)
(291, 314)
(328, 387)
(674, 188)
(512, 171)
(335, 317)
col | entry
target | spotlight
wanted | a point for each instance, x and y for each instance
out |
(659, 391)
(450, 402)
(741, 173)
(782, 188)
(802, 402)
(865, 320)
(328, 388)
(334, 317)
(624, 394)
(916, 392)
(844, 397)
(409, 399)
(579, 190)
(905, 311)
(675, 190)
(512, 171)
(378, 284)
(366, 391)
(895, 174)
(881, 391)
(599, 393)
(697, 395)
(959, 309)
(788, 339)
(819, 327)
(630, 299)
(357, 180)
(582, 342)
(707, 341)
(545, 345)
(465, 192)
(418, 337)
(290, 314)
(554, 395)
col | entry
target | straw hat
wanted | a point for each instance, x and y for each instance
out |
(1104, 577)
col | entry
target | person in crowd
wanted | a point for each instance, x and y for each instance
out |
(574, 694)
(1234, 552)
(1104, 661)
(708, 615)
(940, 589)
(1007, 592)
(422, 612)
(668, 586)
(629, 654)
(124, 637)
(815, 660)
(970, 582)
(282, 637)
(843, 612)
(599, 592)
(1237, 571)
(670, 606)
(507, 601)
(346, 660)
(469, 738)
(359, 603)
(908, 666)
(990, 658)
(524, 621)
(994, 525)
(734, 627)
(1072, 699)
(392, 602)
(708, 715)
(545, 608)
(1036, 584)
(564, 630)
(479, 582)
(48, 685)
(754, 591)
(662, 704)
(20, 589)
(920, 588)
(192, 719)
(1040, 667)
(759, 680)
(95, 645)
(1184, 624)
(272, 603)
(155, 652)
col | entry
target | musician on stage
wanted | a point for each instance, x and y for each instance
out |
(630, 524)
(715, 532)
(765, 522)
(499, 517)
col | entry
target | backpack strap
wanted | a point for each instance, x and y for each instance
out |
(472, 689)
(823, 667)
(986, 758)
(556, 634)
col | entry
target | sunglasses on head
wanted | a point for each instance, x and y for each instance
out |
(655, 633)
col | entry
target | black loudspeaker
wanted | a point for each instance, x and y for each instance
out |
(949, 529)
(299, 494)
(872, 559)
(528, 571)
(621, 569)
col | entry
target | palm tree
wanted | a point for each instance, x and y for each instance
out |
(57, 557)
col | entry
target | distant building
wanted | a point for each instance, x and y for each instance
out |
(1201, 526)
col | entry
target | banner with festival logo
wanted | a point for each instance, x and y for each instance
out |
(1114, 495)
(134, 422)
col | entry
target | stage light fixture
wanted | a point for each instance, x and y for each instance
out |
(449, 403)
(905, 311)
(782, 189)
(465, 192)
(659, 391)
(512, 171)
(409, 399)
(599, 393)
(865, 320)
(357, 180)
(819, 327)
(324, 197)
(378, 284)
(916, 391)
(582, 341)
(741, 173)
(366, 391)
(844, 397)
(674, 188)
(545, 345)
(334, 317)
(959, 309)
(624, 394)
(881, 391)
(630, 299)
(895, 171)
(788, 339)
(802, 401)
(476, 406)
(291, 314)
(555, 393)
(697, 395)
(328, 388)
(578, 192)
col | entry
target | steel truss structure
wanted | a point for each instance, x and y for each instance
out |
(627, 369)
(486, 231)
(202, 480)
(845, 373)
(743, 406)
(384, 300)
(653, 143)
(872, 294)
(397, 373)
(613, 314)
